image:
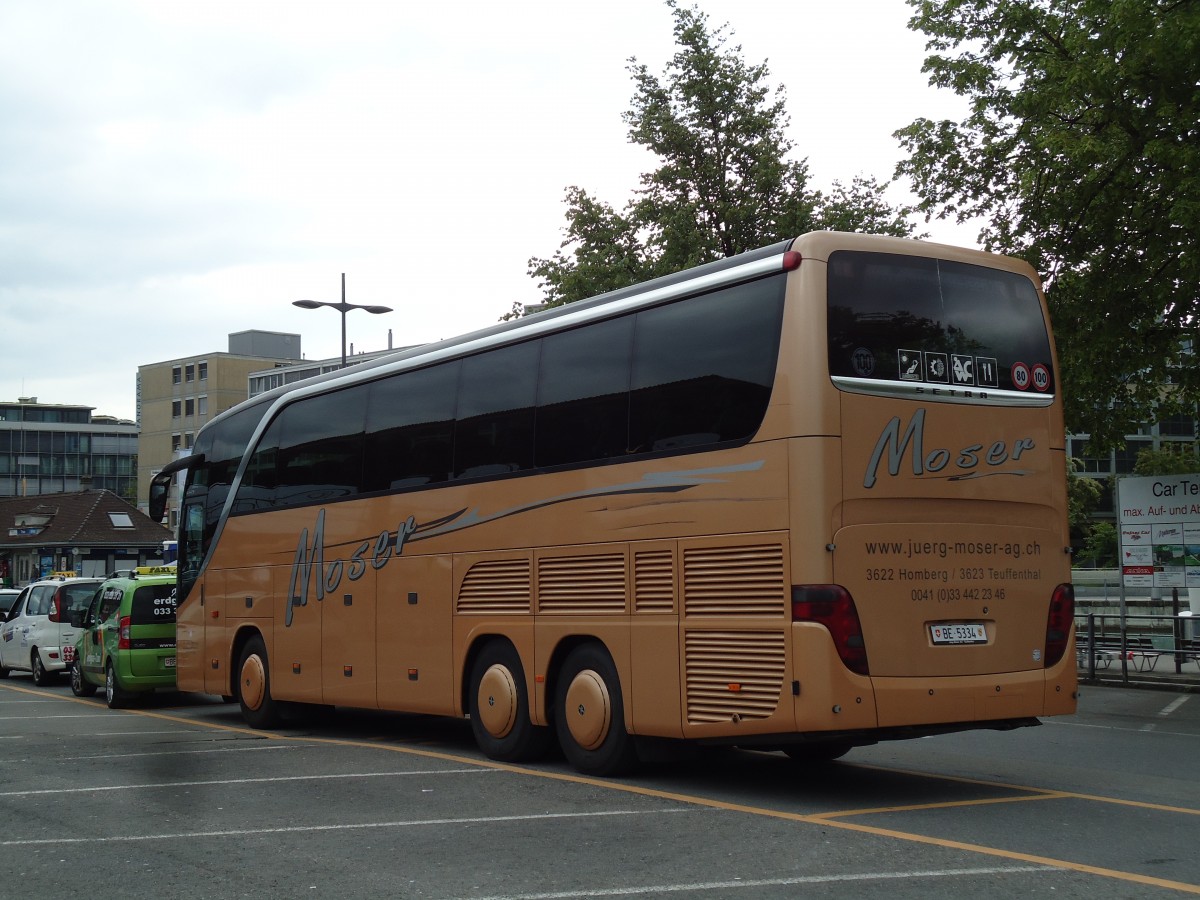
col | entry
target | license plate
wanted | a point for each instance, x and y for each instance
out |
(169, 662)
(959, 633)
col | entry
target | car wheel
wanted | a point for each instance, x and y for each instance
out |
(40, 676)
(259, 708)
(80, 686)
(589, 714)
(499, 706)
(114, 695)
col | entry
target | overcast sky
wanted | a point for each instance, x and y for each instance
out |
(173, 172)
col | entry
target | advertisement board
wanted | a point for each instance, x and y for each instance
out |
(1158, 517)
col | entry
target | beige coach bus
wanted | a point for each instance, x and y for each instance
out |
(803, 499)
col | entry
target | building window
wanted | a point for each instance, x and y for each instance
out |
(176, 375)
(189, 407)
(189, 372)
(1126, 457)
(1095, 465)
(176, 408)
(202, 405)
(202, 371)
(175, 442)
(1178, 426)
(120, 520)
(188, 440)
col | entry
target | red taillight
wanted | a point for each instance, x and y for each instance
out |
(56, 607)
(123, 634)
(832, 606)
(791, 260)
(1059, 622)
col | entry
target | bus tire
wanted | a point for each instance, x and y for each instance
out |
(114, 695)
(259, 708)
(80, 686)
(499, 706)
(817, 753)
(589, 714)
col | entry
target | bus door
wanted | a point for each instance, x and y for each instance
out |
(413, 637)
(348, 640)
(294, 651)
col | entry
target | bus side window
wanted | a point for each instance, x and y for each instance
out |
(583, 393)
(410, 429)
(493, 433)
(703, 369)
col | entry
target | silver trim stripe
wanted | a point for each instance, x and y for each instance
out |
(941, 393)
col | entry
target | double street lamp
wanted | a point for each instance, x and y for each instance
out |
(343, 308)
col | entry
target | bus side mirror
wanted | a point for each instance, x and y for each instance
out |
(158, 498)
(160, 484)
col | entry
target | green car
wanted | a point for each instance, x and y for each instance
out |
(127, 645)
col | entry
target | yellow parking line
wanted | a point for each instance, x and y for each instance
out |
(821, 819)
(1073, 795)
(948, 804)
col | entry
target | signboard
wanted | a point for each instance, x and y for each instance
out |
(1159, 520)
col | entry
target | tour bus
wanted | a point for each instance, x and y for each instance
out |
(803, 499)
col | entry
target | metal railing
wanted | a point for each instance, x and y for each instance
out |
(1140, 642)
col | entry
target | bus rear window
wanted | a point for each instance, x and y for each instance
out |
(896, 319)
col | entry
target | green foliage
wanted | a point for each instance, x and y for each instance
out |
(1083, 494)
(725, 183)
(1101, 545)
(1170, 459)
(1082, 155)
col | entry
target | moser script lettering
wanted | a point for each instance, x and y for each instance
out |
(310, 565)
(912, 443)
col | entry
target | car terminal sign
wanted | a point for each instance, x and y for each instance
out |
(1159, 519)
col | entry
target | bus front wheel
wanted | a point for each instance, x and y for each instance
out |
(589, 714)
(259, 709)
(499, 706)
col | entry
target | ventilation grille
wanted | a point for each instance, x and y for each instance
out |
(733, 675)
(734, 581)
(654, 581)
(582, 585)
(496, 586)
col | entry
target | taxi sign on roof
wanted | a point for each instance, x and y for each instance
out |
(155, 570)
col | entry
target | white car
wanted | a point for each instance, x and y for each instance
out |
(38, 627)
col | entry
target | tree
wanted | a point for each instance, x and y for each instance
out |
(726, 182)
(1169, 459)
(1081, 153)
(1083, 494)
(1101, 545)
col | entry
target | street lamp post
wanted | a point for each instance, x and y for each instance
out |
(343, 308)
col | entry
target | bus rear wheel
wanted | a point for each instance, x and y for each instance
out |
(589, 714)
(499, 706)
(259, 709)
